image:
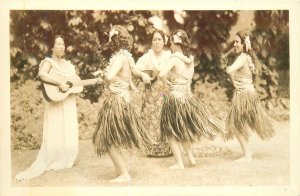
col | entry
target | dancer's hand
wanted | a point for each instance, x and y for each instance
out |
(238, 85)
(155, 73)
(100, 81)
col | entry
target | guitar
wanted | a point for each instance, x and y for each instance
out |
(52, 93)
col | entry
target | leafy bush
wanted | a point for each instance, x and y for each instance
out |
(271, 41)
(26, 115)
(86, 40)
(213, 97)
(27, 111)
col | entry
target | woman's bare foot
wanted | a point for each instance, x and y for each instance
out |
(121, 178)
(192, 161)
(117, 172)
(176, 166)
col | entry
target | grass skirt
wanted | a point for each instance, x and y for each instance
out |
(119, 125)
(186, 119)
(247, 112)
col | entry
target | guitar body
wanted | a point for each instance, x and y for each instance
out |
(53, 93)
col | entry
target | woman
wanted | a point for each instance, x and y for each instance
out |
(246, 111)
(184, 118)
(59, 147)
(118, 123)
(153, 91)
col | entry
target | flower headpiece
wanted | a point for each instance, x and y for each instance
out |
(176, 38)
(166, 39)
(112, 33)
(247, 43)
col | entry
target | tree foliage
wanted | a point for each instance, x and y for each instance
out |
(208, 32)
(271, 41)
(86, 40)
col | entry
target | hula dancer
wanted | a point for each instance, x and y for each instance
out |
(118, 123)
(246, 110)
(184, 118)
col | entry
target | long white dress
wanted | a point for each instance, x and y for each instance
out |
(59, 147)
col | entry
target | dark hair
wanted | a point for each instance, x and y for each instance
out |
(242, 35)
(160, 32)
(52, 41)
(122, 40)
(185, 45)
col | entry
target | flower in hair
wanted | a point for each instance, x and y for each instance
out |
(112, 33)
(247, 43)
(176, 38)
(166, 39)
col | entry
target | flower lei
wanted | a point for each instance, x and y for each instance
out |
(116, 54)
(186, 59)
(250, 62)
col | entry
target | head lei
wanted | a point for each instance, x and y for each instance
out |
(118, 30)
(248, 49)
(247, 43)
(119, 38)
(112, 32)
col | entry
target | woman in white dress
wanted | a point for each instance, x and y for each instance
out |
(153, 91)
(59, 147)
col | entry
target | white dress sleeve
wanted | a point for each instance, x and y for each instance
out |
(143, 62)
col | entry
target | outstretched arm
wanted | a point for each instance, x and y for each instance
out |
(163, 73)
(137, 70)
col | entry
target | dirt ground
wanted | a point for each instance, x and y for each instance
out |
(215, 166)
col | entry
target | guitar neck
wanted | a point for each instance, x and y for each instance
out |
(86, 82)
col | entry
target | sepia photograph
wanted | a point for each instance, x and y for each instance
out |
(125, 98)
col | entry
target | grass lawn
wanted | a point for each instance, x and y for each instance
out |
(215, 166)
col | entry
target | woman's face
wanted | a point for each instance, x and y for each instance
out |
(59, 47)
(174, 47)
(157, 42)
(238, 45)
